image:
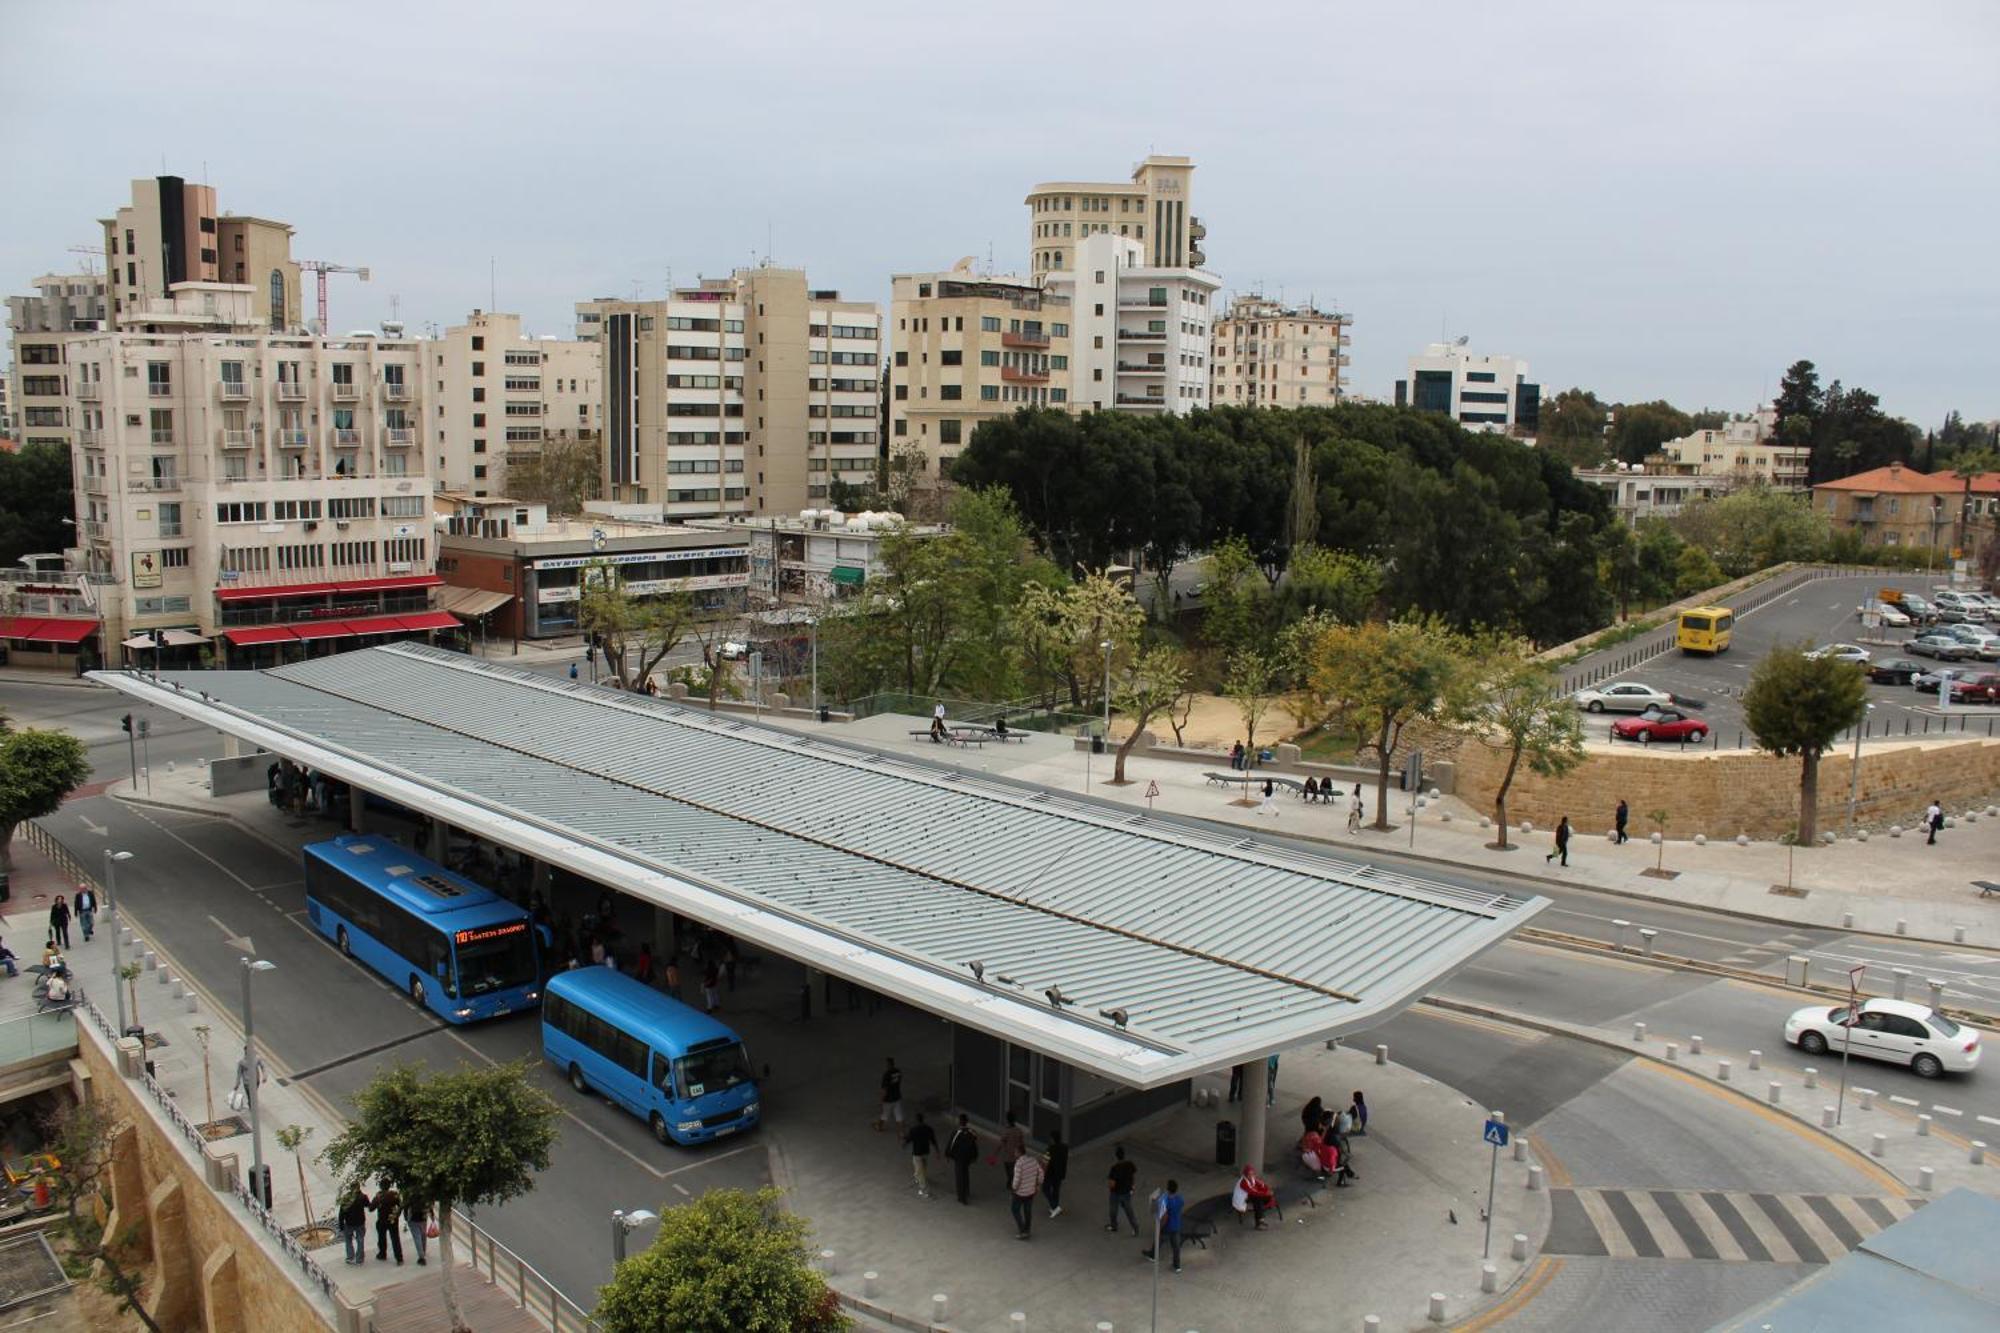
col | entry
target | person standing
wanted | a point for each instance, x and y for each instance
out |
(1025, 1183)
(1236, 1083)
(1562, 842)
(1236, 756)
(963, 1151)
(1123, 1175)
(354, 1224)
(1933, 820)
(1271, 1080)
(417, 1216)
(1624, 815)
(86, 910)
(1359, 1112)
(1167, 1208)
(59, 922)
(1354, 810)
(388, 1208)
(892, 1097)
(711, 987)
(922, 1140)
(1056, 1167)
(1013, 1146)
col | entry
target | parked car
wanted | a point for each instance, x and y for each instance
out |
(732, 651)
(1893, 1030)
(1940, 645)
(1846, 652)
(1967, 604)
(1887, 613)
(1627, 696)
(1918, 609)
(1894, 671)
(1984, 642)
(1963, 690)
(1660, 724)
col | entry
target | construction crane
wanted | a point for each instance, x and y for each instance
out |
(93, 251)
(322, 268)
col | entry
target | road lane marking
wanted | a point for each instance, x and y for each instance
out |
(1712, 1227)
(1760, 1225)
(1666, 1237)
(1815, 1226)
(1888, 1181)
(1608, 1229)
(1740, 1231)
(1531, 1286)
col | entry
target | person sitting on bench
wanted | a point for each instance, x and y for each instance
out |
(1000, 726)
(1252, 1195)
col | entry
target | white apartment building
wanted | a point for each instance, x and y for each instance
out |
(497, 394)
(1269, 354)
(1153, 208)
(742, 395)
(1484, 392)
(266, 488)
(1636, 492)
(37, 384)
(1139, 333)
(1745, 448)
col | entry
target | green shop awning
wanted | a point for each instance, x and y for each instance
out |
(848, 576)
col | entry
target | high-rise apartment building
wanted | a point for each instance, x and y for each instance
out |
(1483, 392)
(1154, 209)
(966, 349)
(37, 383)
(172, 233)
(741, 395)
(1139, 332)
(265, 487)
(1268, 354)
(498, 395)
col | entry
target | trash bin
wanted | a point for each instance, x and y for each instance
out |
(1225, 1143)
(825, 713)
(6, 890)
(1097, 745)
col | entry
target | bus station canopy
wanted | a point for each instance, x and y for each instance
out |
(1143, 950)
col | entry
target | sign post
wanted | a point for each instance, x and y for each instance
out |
(1152, 790)
(1847, 1037)
(1496, 1134)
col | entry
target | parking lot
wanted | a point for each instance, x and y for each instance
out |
(1825, 611)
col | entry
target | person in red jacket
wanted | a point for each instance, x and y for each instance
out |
(1252, 1194)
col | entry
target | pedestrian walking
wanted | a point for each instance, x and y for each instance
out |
(937, 724)
(1236, 1083)
(388, 1208)
(353, 1220)
(922, 1141)
(1354, 810)
(1055, 1166)
(1269, 806)
(1271, 1080)
(1359, 1111)
(572, 671)
(1167, 1207)
(1933, 820)
(892, 1096)
(59, 922)
(1013, 1146)
(962, 1151)
(86, 910)
(1025, 1183)
(711, 987)
(417, 1217)
(1562, 842)
(1624, 815)
(1122, 1177)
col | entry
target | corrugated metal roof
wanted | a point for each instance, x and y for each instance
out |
(1216, 948)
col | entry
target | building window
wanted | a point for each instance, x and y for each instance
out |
(948, 429)
(478, 345)
(951, 356)
(951, 393)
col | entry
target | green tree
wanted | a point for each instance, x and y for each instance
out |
(1968, 467)
(35, 498)
(637, 632)
(1795, 706)
(1619, 565)
(1149, 685)
(1236, 604)
(1659, 560)
(38, 770)
(1386, 676)
(1066, 627)
(1251, 684)
(477, 1136)
(1696, 571)
(1343, 585)
(726, 1262)
(292, 1138)
(1525, 716)
(1639, 429)
(80, 1139)
(1752, 528)
(1798, 395)
(561, 473)
(1572, 427)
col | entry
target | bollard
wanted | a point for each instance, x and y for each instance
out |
(1926, 1178)
(1756, 1059)
(1520, 1148)
(1489, 1276)
(940, 1303)
(1937, 991)
(1867, 1098)
(1381, 1055)
(1958, 934)
(1878, 1144)
(1534, 1180)
(1017, 1322)
(869, 1280)
(1804, 966)
(1847, 921)
(1826, 1115)
(152, 960)
(1520, 1250)
(1372, 1324)
(193, 1006)
(1902, 926)
(1902, 976)
(1978, 1155)
(1646, 937)
(1437, 1307)
(1777, 1090)
(1694, 1044)
(1673, 1053)
(166, 977)
(1812, 1077)
(1620, 926)
(1923, 1126)
(1104, 1326)
(1722, 1070)
(1638, 1032)
(826, 1262)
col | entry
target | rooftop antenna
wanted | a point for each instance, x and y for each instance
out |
(395, 308)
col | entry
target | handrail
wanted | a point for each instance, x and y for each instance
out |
(536, 1294)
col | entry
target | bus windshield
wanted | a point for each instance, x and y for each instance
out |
(713, 1070)
(496, 958)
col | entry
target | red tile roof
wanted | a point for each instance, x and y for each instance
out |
(1899, 480)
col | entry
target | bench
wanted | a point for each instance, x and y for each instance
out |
(1987, 888)
(988, 733)
(952, 736)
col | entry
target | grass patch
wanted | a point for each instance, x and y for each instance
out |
(1327, 747)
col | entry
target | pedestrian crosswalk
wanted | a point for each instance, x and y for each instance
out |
(1729, 1225)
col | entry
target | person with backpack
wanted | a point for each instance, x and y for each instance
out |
(962, 1152)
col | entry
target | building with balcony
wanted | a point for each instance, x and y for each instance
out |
(172, 233)
(1269, 354)
(1745, 447)
(38, 380)
(1154, 209)
(1139, 332)
(500, 395)
(264, 489)
(1900, 506)
(816, 557)
(737, 395)
(966, 348)
(1490, 393)
(1637, 492)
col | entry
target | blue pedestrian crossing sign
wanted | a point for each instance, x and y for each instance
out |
(1496, 1133)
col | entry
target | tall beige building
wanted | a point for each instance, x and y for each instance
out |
(741, 395)
(966, 349)
(264, 487)
(1155, 208)
(1268, 354)
(171, 232)
(497, 395)
(38, 384)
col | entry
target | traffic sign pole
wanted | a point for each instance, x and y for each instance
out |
(1847, 1038)
(1496, 1134)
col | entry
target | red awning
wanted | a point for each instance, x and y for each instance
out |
(244, 638)
(392, 584)
(322, 629)
(47, 629)
(376, 625)
(231, 593)
(430, 620)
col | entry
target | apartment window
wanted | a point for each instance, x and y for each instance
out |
(479, 471)
(343, 372)
(989, 358)
(989, 393)
(1100, 278)
(949, 392)
(1059, 362)
(951, 357)
(478, 418)
(1097, 374)
(402, 506)
(1097, 340)
(902, 392)
(902, 426)
(353, 506)
(246, 559)
(478, 395)
(170, 520)
(174, 557)
(989, 323)
(948, 429)
(479, 446)
(294, 511)
(478, 345)
(478, 368)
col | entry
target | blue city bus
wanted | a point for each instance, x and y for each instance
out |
(682, 1072)
(461, 951)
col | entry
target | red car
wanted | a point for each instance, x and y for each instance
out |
(1660, 724)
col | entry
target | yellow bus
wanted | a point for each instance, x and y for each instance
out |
(1705, 629)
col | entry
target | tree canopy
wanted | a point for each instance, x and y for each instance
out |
(562, 474)
(725, 1262)
(1751, 528)
(1384, 675)
(1795, 706)
(38, 770)
(35, 498)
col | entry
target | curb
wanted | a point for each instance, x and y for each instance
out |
(36, 678)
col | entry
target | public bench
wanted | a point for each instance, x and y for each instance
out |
(1987, 888)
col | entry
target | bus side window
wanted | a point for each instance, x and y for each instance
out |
(440, 960)
(663, 1075)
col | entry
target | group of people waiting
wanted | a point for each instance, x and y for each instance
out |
(1323, 1147)
(597, 942)
(390, 1208)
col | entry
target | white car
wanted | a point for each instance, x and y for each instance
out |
(1846, 652)
(1893, 617)
(733, 651)
(1893, 1030)
(1627, 696)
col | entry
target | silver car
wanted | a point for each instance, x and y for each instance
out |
(1942, 646)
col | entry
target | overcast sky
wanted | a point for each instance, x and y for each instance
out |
(1672, 200)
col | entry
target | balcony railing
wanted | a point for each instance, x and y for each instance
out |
(1141, 336)
(89, 391)
(291, 391)
(93, 528)
(152, 483)
(291, 439)
(1139, 400)
(235, 391)
(347, 439)
(395, 391)
(400, 439)
(233, 439)
(345, 392)
(1024, 340)
(88, 437)
(1127, 368)
(1015, 375)
(1142, 303)
(163, 436)
(159, 388)
(96, 485)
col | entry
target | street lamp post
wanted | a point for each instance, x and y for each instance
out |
(246, 1073)
(814, 623)
(1106, 646)
(1854, 782)
(111, 860)
(624, 1224)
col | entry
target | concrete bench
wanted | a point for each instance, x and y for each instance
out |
(1987, 888)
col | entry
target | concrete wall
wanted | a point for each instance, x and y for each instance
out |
(1723, 794)
(204, 1268)
(244, 772)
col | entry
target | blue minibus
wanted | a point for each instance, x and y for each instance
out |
(682, 1072)
(461, 951)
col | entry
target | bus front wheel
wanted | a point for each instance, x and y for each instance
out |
(576, 1079)
(660, 1129)
(340, 938)
(417, 991)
